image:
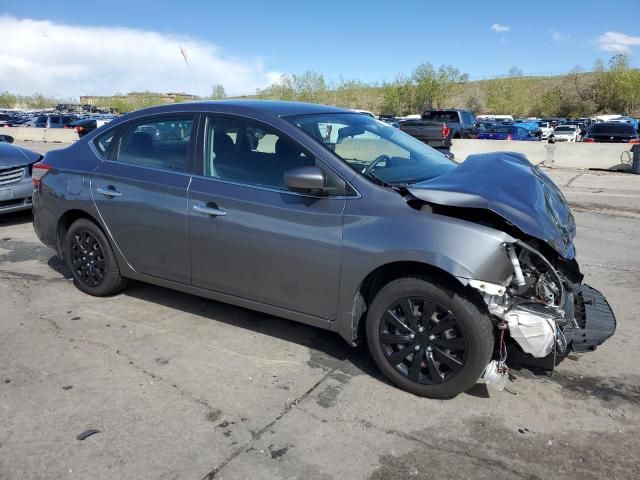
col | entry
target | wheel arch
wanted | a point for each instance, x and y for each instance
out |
(65, 221)
(352, 324)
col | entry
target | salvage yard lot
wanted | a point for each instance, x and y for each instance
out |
(183, 387)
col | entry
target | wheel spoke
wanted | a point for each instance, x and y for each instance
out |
(407, 307)
(447, 322)
(427, 312)
(393, 319)
(416, 365)
(451, 362)
(391, 339)
(397, 357)
(456, 343)
(434, 371)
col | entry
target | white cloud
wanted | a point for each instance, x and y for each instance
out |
(69, 61)
(559, 36)
(617, 42)
(496, 27)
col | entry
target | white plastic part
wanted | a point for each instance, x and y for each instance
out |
(516, 266)
(488, 288)
(534, 333)
(494, 378)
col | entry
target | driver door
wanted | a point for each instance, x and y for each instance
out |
(251, 237)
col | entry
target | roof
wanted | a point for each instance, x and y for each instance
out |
(272, 107)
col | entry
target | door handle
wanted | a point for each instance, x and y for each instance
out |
(109, 192)
(216, 212)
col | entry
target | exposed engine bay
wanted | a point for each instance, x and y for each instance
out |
(545, 311)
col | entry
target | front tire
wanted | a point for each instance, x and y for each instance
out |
(428, 338)
(91, 260)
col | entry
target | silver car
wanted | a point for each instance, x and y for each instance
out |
(15, 177)
(334, 219)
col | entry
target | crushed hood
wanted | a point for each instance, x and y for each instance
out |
(507, 184)
(14, 156)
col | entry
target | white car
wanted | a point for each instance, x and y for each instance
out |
(545, 128)
(565, 133)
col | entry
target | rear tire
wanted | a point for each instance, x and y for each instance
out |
(451, 336)
(91, 260)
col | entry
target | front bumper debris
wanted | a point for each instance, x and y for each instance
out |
(595, 320)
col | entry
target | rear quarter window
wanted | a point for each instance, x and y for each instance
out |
(103, 143)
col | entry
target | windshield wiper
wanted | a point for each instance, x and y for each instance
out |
(372, 176)
(400, 188)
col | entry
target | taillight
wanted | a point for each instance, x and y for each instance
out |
(588, 140)
(38, 171)
(635, 140)
(445, 131)
(79, 128)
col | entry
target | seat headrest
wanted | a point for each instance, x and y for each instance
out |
(222, 143)
(284, 148)
(140, 143)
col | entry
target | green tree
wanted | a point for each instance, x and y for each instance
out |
(8, 100)
(218, 92)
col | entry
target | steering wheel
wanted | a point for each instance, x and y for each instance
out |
(375, 162)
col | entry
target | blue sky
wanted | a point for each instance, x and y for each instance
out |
(370, 40)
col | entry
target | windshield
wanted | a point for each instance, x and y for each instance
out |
(375, 149)
(441, 116)
(612, 128)
(498, 129)
(565, 129)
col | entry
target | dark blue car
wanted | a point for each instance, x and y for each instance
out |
(508, 132)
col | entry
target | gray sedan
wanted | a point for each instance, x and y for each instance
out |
(334, 219)
(15, 177)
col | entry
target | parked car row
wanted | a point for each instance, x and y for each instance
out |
(54, 119)
(438, 127)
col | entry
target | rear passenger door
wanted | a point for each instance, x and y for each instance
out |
(251, 237)
(140, 190)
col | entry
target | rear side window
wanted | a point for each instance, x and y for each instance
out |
(104, 142)
(158, 143)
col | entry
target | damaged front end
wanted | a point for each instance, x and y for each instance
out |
(546, 309)
(543, 307)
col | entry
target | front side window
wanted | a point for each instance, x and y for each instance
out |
(159, 143)
(375, 149)
(253, 154)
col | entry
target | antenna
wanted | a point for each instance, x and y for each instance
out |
(185, 55)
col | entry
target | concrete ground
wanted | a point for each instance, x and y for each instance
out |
(183, 387)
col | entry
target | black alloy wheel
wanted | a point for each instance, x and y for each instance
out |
(91, 260)
(87, 259)
(423, 340)
(429, 335)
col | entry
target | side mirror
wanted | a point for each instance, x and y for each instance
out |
(305, 180)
